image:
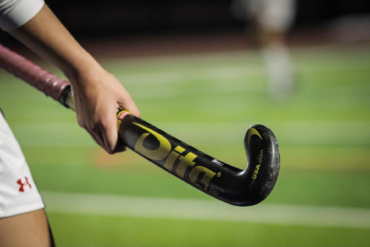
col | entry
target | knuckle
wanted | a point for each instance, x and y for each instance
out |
(80, 122)
(103, 126)
(91, 127)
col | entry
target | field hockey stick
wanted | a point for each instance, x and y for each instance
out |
(218, 179)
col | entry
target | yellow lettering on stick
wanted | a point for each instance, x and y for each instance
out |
(158, 154)
(205, 180)
(185, 161)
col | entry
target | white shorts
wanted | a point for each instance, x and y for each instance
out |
(18, 192)
(276, 15)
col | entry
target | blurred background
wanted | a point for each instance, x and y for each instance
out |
(204, 71)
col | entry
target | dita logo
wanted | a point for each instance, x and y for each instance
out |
(199, 175)
(21, 188)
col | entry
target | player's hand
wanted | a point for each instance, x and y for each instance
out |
(97, 96)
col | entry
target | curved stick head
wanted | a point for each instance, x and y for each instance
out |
(263, 162)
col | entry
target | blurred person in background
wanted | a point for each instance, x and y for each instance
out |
(272, 20)
(97, 95)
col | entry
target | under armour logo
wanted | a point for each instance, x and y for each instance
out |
(21, 188)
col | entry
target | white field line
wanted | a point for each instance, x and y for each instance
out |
(244, 68)
(191, 209)
(242, 56)
(220, 74)
(292, 133)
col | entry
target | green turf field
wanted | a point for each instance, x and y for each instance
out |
(322, 195)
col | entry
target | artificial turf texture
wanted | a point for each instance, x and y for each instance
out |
(209, 101)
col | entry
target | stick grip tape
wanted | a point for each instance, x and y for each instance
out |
(33, 74)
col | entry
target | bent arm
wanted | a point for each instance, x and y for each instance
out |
(97, 93)
(47, 37)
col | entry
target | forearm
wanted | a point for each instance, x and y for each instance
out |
(47, 37)
(97, 94)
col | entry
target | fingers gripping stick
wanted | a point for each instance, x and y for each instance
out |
(216, 178)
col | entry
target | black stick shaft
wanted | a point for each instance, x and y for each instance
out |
(218, 179)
